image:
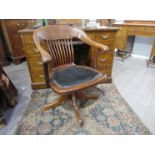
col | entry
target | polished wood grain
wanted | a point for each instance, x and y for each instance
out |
(104, 63)
(133, 28)
(61, 56)
(56, 103)
(76, 110)
(67, 33)
(140, 21)
(81, 95)
(13, 40)
(62, 51)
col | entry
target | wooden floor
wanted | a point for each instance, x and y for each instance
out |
(134, 81)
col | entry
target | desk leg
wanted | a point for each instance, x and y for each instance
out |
(123, 56)
(150, 61)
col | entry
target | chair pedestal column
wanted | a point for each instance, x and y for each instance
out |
(76, 109)
(63, 98)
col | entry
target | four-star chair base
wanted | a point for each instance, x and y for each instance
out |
(73, 96)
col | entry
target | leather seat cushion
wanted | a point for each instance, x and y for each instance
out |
(74, 75)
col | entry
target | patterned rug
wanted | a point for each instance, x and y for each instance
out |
(108, 115)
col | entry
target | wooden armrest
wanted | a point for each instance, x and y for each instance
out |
(96, 56)
(86, 39)
(46, 58)
(101, 48)
(95, 63)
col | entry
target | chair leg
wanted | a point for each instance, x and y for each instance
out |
(76, 109)
(81, 95)
(56, 103)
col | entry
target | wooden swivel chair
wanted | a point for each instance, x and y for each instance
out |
(66, 78)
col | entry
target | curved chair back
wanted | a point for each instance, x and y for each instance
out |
(59, 39)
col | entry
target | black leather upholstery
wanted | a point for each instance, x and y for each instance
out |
(74, 75)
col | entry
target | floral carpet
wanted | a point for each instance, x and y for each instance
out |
(108, 115)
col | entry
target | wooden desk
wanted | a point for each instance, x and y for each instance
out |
(104, 35)
(125, 37)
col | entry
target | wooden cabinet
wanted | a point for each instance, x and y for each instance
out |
(33, 59)
(105, 36)
(105, 61)
(10, 29)
(3, 59)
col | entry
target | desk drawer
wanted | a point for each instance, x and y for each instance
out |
(107, 69)
(143, 31)
(146, 31)
(134, 30)
(35, 62)
(104, 59)
(31, 50)
(108, 53)
(37, 75)
(104, 37)
(150, 31)
(28, 38)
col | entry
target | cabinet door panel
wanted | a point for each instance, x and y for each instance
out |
(12, 27)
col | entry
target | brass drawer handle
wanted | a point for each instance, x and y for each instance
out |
(39, 63)
(36, 50)
(41, 76)
(103, 60)
(105, 36)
